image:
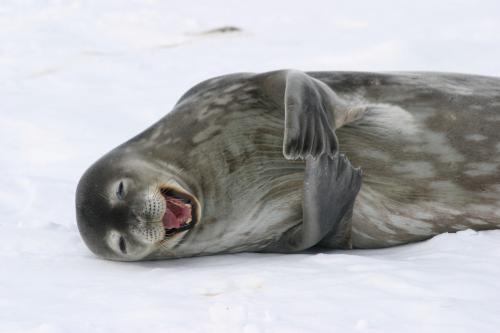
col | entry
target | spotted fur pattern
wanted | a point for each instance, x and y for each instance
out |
(426, 144)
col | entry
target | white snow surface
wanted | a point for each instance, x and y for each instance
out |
(77, 78)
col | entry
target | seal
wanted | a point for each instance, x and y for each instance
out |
(257, 162)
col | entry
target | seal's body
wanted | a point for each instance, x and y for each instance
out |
(251, 162)
(429, 146)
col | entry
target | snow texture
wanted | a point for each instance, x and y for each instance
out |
(77, 78)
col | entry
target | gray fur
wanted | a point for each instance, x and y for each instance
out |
(427, 144)
(330, 187)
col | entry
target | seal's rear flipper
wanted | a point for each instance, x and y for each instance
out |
(330, 188)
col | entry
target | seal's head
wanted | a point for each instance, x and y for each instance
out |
(127, 209)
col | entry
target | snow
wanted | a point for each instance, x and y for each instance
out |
(77, 78)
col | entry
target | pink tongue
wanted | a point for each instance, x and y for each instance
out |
(170, 221)
(177, 213)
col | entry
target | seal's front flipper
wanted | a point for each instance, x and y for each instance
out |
(330, 188)
(309, 123)
(310, 108)
(312, 112)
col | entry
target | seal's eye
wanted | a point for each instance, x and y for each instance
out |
(122, 245)
(120, 192)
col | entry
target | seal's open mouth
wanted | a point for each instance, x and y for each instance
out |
(180, 214)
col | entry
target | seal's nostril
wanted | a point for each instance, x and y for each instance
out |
(122, 245)
(120, 192)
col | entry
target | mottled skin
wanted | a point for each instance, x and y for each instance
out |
(429, 150)
(428, 145)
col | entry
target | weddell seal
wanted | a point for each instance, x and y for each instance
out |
(257, 162)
